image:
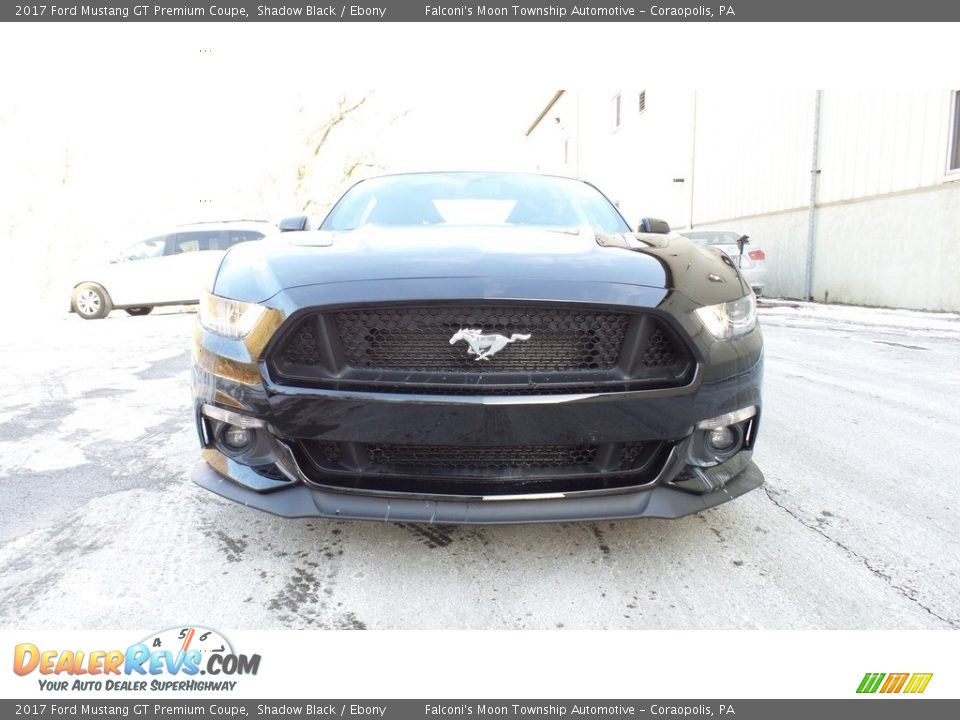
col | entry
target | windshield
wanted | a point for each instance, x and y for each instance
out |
(713, 237)
(474, 199)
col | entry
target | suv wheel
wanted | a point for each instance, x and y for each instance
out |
(137, 311)
(91, 302)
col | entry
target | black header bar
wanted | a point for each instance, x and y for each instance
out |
(508, 11)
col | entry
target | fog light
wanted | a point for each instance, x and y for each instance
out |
(721, 439)
(711, 446)
(236, 438)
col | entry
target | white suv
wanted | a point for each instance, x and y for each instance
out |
(168, 269)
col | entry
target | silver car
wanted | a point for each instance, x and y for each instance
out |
(753, 262)
(167, 269)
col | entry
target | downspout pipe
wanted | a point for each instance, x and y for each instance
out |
(812, 211)
(693, 160)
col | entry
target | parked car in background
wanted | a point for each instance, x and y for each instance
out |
(753, 262)
(167, 269)
(477, 348)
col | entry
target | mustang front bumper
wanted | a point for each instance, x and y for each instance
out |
(661, 501)
(285, 471)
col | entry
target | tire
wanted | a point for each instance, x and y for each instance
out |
(91, 302)
(138, 311)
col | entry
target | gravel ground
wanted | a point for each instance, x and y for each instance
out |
(100, 526)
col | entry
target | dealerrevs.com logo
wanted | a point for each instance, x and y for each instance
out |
(180, 653)
(911, 683)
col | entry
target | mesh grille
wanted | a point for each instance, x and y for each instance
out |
(302, 348)
(537, 350)
(329, 451)
(479, 471)
(632, 454)
(660, 351)
(492, 390)
(418, 339)
(481, 458)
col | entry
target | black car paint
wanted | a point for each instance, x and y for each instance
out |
(428, 254)
(665, 275)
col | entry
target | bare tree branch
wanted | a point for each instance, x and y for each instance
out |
(318, 138)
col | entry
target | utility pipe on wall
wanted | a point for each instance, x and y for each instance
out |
(812, 212)
(693, 159)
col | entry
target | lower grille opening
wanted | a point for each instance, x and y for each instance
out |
(480, 470)
(419, 457)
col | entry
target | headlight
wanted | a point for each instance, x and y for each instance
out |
(231, 318)
(731, 319)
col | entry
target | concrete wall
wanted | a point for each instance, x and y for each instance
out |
(899, 250)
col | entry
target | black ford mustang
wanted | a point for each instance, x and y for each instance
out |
(477, 348)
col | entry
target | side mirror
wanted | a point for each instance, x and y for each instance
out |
(654, 225)
(743, 240)
(294, 223)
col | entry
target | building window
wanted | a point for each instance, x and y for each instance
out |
(954, 159)
(642, 104)
(616, 111)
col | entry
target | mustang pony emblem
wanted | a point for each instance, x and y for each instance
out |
(483, 346)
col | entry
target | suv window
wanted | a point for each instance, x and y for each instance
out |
(145, 249)
(196, 241)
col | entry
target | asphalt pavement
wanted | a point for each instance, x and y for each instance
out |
(101, 527)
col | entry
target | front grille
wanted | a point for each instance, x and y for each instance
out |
(480, 458)
(632, 454)
(301, 348)
(660, 351)
(538, 350)
(482, 470)
(419, 339)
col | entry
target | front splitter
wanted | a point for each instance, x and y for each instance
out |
(660, 501)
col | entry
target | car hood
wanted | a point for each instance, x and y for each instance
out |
(254, 272)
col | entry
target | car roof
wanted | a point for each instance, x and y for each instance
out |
(477, 173)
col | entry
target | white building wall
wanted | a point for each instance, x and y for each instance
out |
(753, 153)
(554, 142)
(874, 143)
(636, 163)
(651, 151)
(887, 216)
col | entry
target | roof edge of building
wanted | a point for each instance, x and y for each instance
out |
(546, 109)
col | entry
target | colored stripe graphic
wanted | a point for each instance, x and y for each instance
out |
(870, 682)
(894, 682)
(918, 683)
